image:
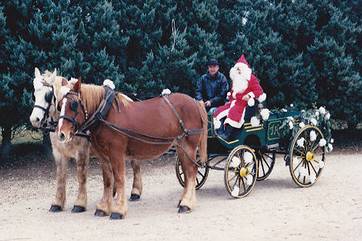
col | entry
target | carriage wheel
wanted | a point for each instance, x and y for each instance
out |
(202, 173)
(265, 164)
(307, 156)
(240, 171)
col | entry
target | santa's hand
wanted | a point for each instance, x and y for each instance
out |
(246, 97)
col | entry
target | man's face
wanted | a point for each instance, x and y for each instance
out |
(213, 69)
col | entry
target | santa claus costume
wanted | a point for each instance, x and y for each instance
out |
(244, 83)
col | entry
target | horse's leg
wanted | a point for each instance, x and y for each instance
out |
(82, 169)
(119, 207)
(103, 208)
(137, 181)
(61, 163)
(188, 197)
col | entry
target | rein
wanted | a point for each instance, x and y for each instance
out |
(99, 116)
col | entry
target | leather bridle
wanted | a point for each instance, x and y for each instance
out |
(72, 119)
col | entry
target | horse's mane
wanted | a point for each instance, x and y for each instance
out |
(92, 96)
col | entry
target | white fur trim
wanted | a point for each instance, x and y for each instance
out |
(255, 121)
(248, 157)
(109, 83)
(313, 135)
(262, 97)
(217, 123)
(265, 113)
(251, 102)
(322, 142)
(251, 94)
(322, 110)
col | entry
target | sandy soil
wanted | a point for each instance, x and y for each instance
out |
(275, 210)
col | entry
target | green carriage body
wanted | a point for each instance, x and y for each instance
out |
(265, 136)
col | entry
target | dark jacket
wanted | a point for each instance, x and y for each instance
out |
(212, 88)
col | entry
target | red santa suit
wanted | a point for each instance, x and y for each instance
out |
(243, 83)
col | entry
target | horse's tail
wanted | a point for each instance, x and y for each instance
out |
(203, 142)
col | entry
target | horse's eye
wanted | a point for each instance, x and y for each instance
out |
(74, 106)
(49, 96)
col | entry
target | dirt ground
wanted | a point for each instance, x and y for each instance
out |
(275, 210)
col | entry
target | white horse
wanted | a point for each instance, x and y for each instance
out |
(46, 89)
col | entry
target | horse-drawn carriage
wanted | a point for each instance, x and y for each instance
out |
(303, 137)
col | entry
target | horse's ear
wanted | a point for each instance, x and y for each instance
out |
(52, 77)
(77, 84)
(64, 82)
(37, 73)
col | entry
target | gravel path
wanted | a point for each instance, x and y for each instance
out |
(275, 210)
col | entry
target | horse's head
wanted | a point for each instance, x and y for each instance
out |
(72, 111)
(43, 101)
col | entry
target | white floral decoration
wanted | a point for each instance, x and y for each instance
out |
(251, 102)
(322, 142)
(254, 121)
(300, 142)
(313, 121)
(166, 92)
(322, 110)
(265, 113)
(301, 125)
(312, 135)
(217, 123)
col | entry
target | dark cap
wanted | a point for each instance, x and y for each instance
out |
(212, 62)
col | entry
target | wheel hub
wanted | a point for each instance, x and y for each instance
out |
(243, 172)
(309, 156)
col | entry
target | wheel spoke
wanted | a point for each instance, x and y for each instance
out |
(313, 168)
(201, 174)
(229, 180)
(242, 180)
(266, 161)
(298, 165)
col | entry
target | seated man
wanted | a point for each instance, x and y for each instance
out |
(245, 87)
(212, 87)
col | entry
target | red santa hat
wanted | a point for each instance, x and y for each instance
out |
(241, 70)
(243, 60)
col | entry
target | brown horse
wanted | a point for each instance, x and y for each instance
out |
(153, 117)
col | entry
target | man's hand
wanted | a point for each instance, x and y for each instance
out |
(208, 103)
(246, 97)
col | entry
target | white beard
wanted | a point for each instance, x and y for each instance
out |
(240, 75)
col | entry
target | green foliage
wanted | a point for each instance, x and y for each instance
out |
(304, 52)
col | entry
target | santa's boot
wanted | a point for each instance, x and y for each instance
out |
(226, 134)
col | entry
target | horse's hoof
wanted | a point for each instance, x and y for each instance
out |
(100, 213)
(116, 216)
(78, 209)
(55, 208)
(134, 197)
(184, 209)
